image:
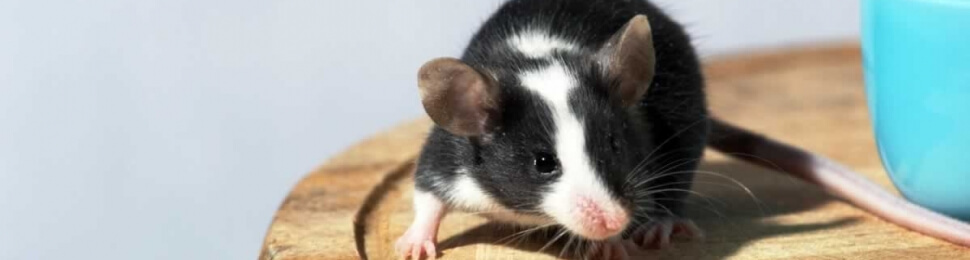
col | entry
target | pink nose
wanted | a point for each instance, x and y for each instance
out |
(600, 223)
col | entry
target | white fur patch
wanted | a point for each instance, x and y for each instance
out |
(538, 44)
(468, 196)
(554, 84)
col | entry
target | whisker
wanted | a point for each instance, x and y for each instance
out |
(717, 184)
(674, 164)
(678, 133)
(773, 165)
(643, 213)
(669, 212)
(754, 198)
(561, 233)
(636, 172)
(698, 194)
(708, 207)
(658, 176)
(523, 233)
(569, 242)
(664, 155)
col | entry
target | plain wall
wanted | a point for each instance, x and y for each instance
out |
(172, 129)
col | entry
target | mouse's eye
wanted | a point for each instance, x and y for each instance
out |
(546, 163)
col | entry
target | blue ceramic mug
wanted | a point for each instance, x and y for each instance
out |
(916, 55)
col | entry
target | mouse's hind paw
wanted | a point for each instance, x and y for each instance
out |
(658, 233)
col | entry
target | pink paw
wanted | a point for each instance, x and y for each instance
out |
(657, 234)
(610, 249)
(416, 245)
(420, 239)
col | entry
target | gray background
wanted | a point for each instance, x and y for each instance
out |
(172, 129)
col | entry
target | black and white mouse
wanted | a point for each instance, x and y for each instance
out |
(590, 115)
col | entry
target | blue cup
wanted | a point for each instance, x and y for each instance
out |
(916, 55)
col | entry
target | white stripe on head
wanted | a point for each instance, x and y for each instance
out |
(579, 178)
(538, 44)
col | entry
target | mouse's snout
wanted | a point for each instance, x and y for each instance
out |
(599, 220)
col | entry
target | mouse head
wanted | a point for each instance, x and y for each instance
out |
(558, 136)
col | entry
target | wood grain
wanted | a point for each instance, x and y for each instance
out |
(812, 98)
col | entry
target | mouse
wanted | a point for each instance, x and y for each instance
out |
(590, 116)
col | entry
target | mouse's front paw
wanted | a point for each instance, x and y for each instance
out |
(657, 234)
(416, 244)
(611, 249)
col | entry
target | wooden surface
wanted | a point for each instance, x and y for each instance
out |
(813, 98)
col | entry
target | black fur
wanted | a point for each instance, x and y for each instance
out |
(670, 123)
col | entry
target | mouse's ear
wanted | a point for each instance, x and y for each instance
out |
(629, 58)
(457, 97)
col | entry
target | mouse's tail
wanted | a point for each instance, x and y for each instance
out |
(836, 179)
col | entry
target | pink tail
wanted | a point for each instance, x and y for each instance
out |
(838, 180)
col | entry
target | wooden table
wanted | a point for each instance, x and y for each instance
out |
(813, 98)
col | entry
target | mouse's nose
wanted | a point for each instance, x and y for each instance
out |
(600, 221)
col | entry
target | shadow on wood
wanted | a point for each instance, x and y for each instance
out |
(729, 214)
